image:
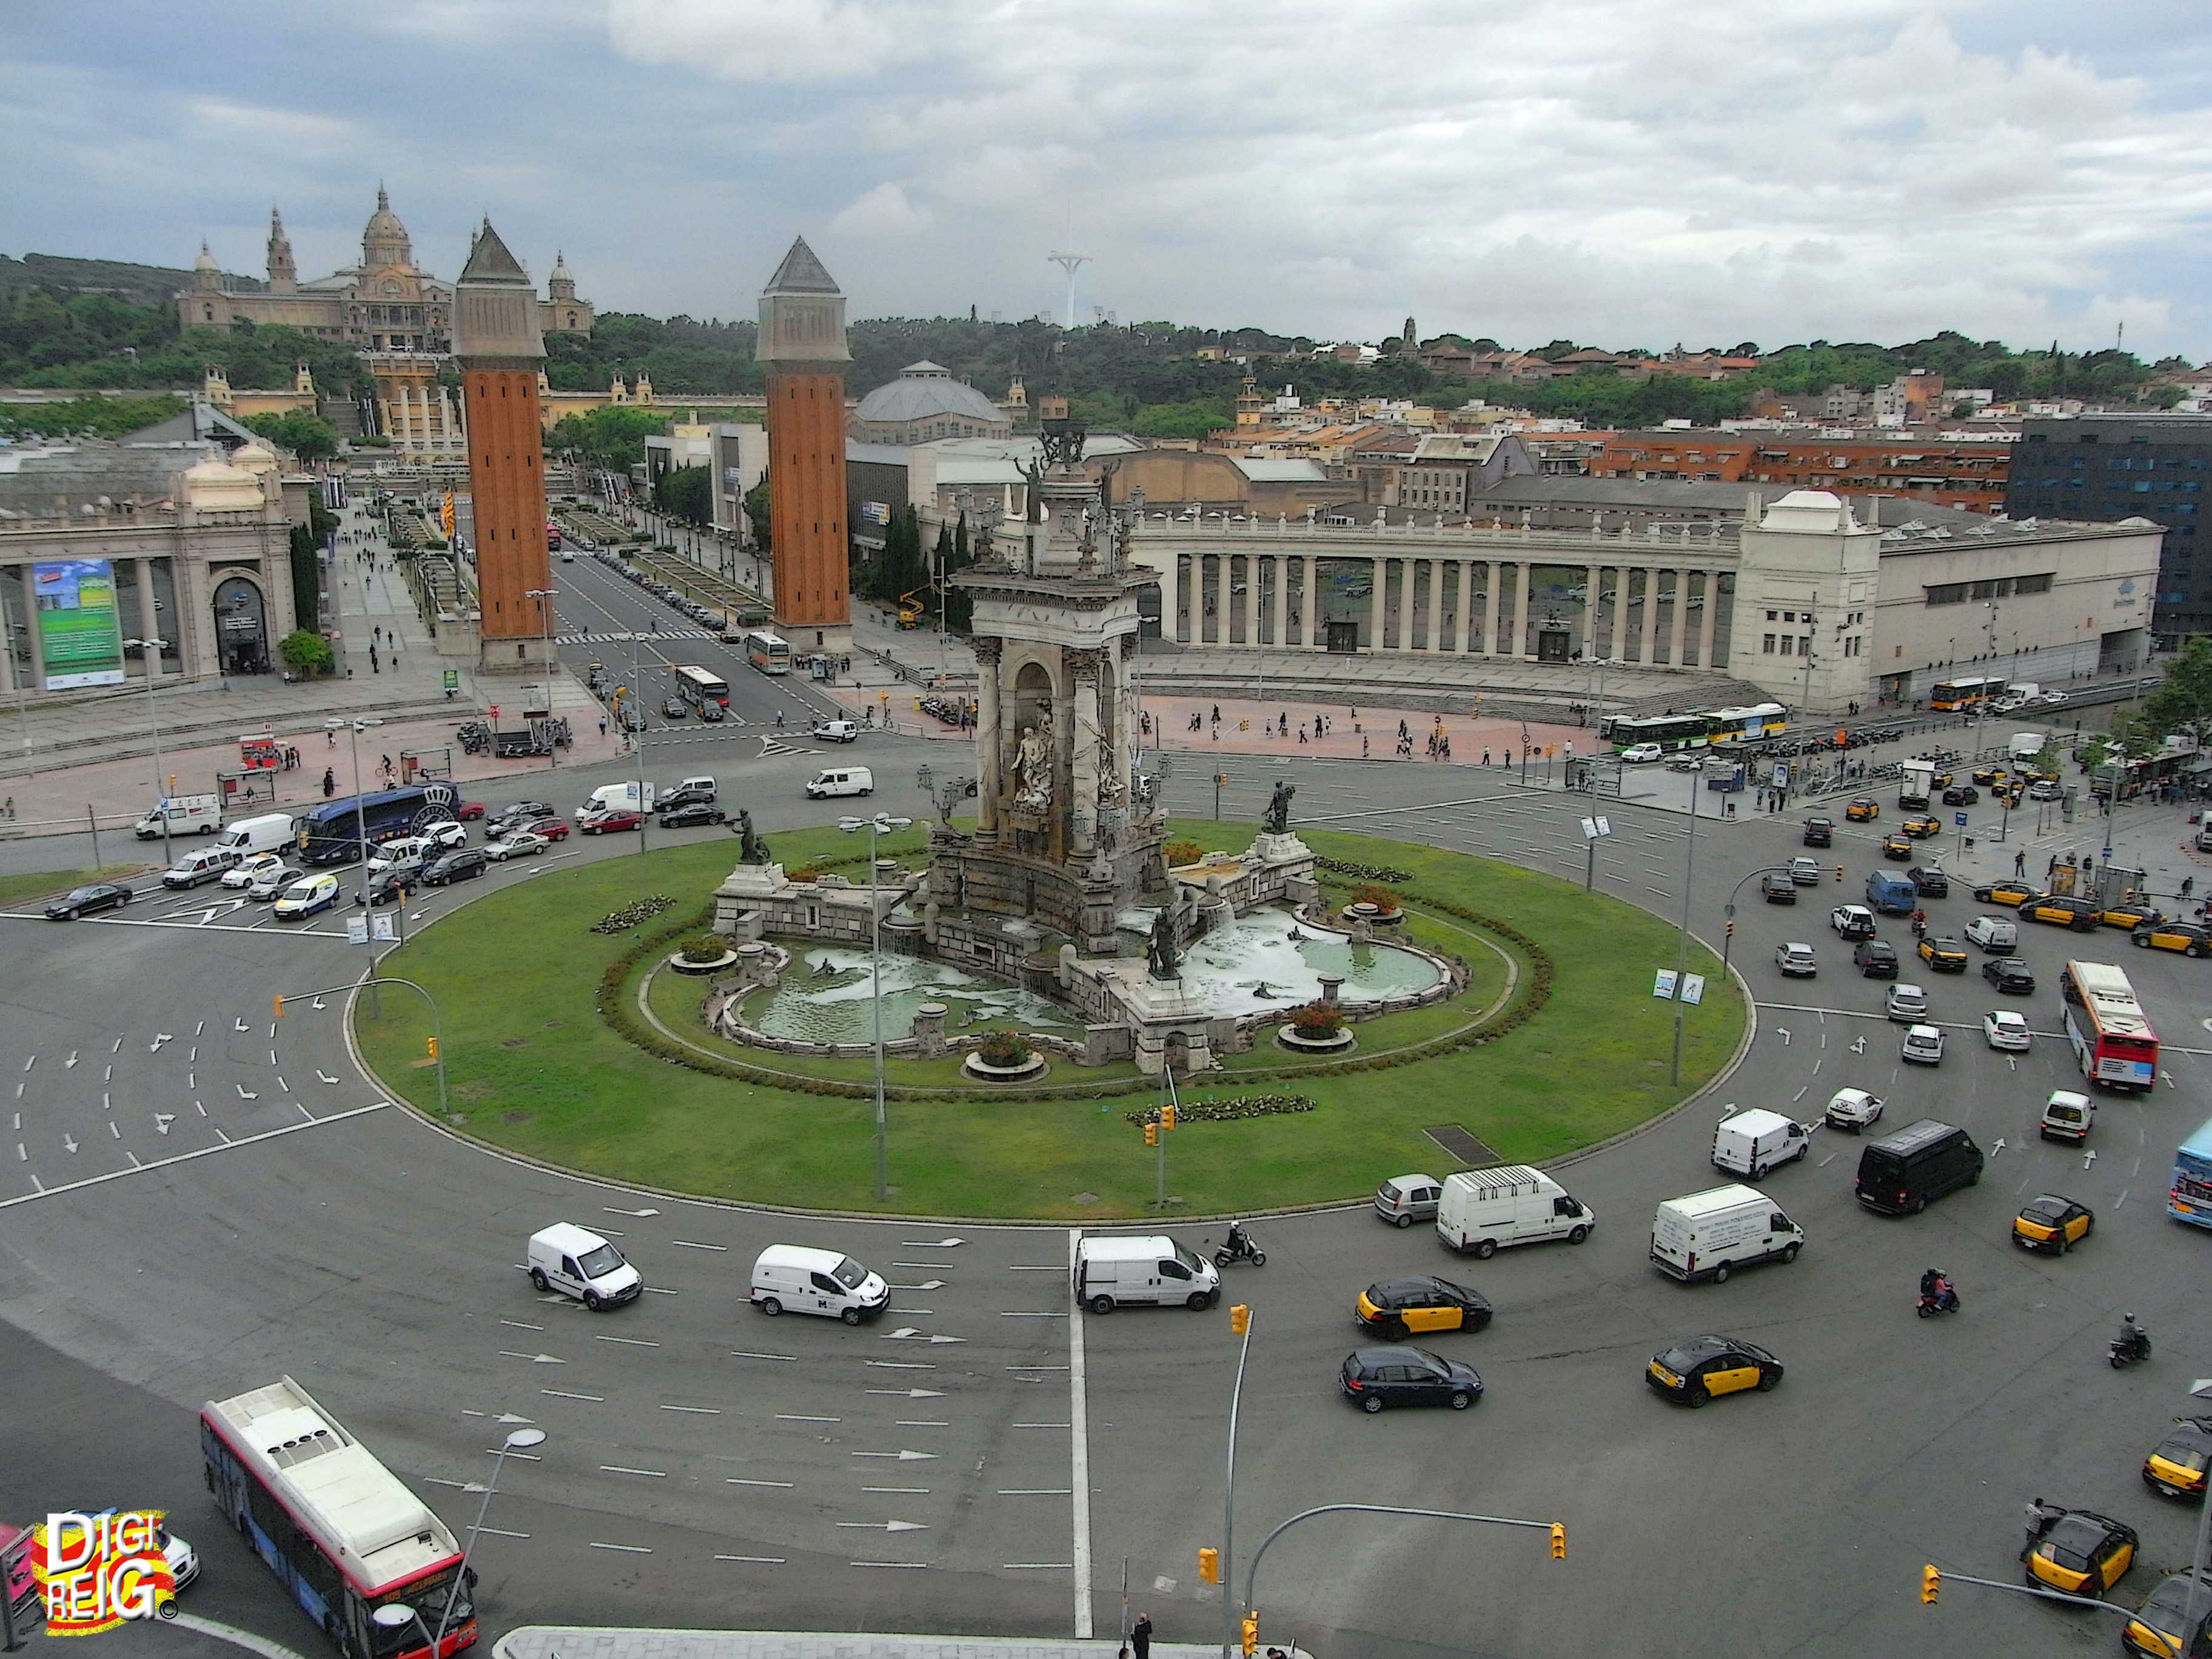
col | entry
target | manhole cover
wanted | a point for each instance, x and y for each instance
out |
(1084, 1197)
(1461, 1145)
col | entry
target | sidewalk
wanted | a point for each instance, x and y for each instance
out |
(585, 1642)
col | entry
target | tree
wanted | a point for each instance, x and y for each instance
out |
(756, 512)
(612, 437)
(2183, 701)
(307, 652)
(309, 437)
(959, 603)
(688, 493)
(306, 574)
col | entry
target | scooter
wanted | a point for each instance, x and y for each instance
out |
(2124, 1351)
(1932, 1303)
(1239, 1246)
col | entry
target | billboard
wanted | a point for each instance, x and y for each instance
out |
(79, 636)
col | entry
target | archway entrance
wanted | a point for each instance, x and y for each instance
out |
(242, 627)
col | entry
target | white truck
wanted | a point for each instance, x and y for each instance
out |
(1482, 1211)
(1750, 1143)
(617, 798)
(181, 815)
(1709, 1235)
(1916, 778)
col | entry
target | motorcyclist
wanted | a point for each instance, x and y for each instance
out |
(1937, 1288)
(1236, 1244)
(1919, 923)
(2133, 1338)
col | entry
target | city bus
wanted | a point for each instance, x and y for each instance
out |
(1750, 725)
(331, 831)
(1668, 731)
(767, 651)
(1968, 691)
(2112, 1039)
(2190, 1198)
(342, 1533)
(699, 687)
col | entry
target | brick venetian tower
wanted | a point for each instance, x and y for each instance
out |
(497, 345)
(802, 346)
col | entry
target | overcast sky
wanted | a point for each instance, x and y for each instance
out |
(1630, 172)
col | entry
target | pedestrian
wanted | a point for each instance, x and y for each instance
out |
(1363, 748)
(330, 783)
(374, 667)
(1301, 734)
(1140, 1636)
(779, 720)
(603, 725)
(1485, 757)
(2020, 867)
(2051, 868)
(2188, 882)
(2037, 1518)
(1216, 721)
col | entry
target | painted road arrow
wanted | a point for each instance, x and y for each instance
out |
(509, 1417)
(909, 1333)
(912, 1394)
(935, 1243)
(610, 1210)
(534, 1359)
(163, 1120)
(926, 1284)
(885, 1526)
(902, 1457)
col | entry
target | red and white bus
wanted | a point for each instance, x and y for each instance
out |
(2112, 1037)
(341, 1532)
(698, 686)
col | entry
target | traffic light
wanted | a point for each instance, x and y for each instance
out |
(280, 1007)
(434, 1048)
(1558, 1540)
(1166, 1116)
(1240, 1319)
(1931, 1581)
(1731, 930)
(1209, 1566)
(1251, 1632)
(1151, 1135)
(1839, 872)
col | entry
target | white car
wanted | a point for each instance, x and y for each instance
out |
(1906, 1002)
(1796, 959)
(1637, 753)
(521, 844)
(306, 896)
(1923, 1045)
(2006, 1030)
(1852, 920)
(2045, 789)
(245, 874)
(1851, 1108)
(2053, 699)
(270, 882)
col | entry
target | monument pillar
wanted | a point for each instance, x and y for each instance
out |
(1086, 734)
(801, 346)
(990, 740)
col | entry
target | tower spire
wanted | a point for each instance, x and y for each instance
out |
(283, 275)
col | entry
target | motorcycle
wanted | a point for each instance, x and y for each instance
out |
(1940, 1301)
(2126, 1350)
(1239, 1246)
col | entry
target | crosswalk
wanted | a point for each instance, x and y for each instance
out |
(624, 639)
(778, 746)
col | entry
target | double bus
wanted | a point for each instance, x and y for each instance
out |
(2112, 1039)
(332, 831)
(2190, 1198)
(342, 1533)
(699, 687)
(769, 652)
(1668, 731)
(1748, 725)
(1969, 691)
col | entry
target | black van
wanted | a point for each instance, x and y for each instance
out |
(1900, 1173)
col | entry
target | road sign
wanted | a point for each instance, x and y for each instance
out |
(357, 930)
(1694, 987)
(1959, 819)
(1592, 829)
(1663, 985)
(380, 927)
(452, 679)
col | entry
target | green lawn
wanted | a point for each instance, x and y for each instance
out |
(531, 1066)
(41, 883)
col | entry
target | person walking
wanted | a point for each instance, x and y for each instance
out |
(1140, 1636)
(2037, 1518)
(2188, 885)
(330, 783)
(2019, 864)
(603, 725)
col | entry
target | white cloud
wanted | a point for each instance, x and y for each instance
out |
(882, 214)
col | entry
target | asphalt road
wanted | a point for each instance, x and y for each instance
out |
(372, 1258)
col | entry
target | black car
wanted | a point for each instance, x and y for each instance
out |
(713, 713)
(1377, 1377)
(2010, 974)
(1961, 794)
(1929, 882)
(521, 814)
(1820, 832)
(386, 886)
(697, 812)
(464, 864)
(1875, 958)
(1777, 889)
(685, 794)
(84, 901)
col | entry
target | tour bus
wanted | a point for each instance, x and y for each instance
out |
(699, 686)
(1668, 731)
(1968, 691)
(2190, 1198)
(767, 651)
(342, 1533)
(330, 832)
(2112, 1040)
(1749, 725)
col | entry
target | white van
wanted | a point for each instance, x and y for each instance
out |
(616, 798)
(576, 1262)
(2067, 1116)
(1120, 1272)
(183, 814)
(836, 732)
(208, 864)
(271, 832)
(1709, 1235)
(2026, 746)
(1482, 1209)
(1752, 1143)
(811, 1281)
(842, 780)
(419, 849)
(1998, 935)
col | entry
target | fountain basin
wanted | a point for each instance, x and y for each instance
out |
(837, 1006)
(1252, 965)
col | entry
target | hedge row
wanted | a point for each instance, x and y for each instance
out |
(1227, 1109)
(1363, 871)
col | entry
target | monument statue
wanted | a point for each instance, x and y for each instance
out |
(1161, 954)
(1033, 771)
(1276, 820)
(751, 849)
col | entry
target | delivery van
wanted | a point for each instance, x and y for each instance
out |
(1998, 936)
(1482, 1211)
(207, 864)
(842, 780)
(1752, 1143)
(1888, 894)
(616, 798)
(1901, 1172)
(1709, 1235)
(271, 832)
(579, 1263)
(182, 815)
(2026, 746)
(825, 1282)
(1150, 1269)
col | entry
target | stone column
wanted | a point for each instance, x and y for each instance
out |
(1066, 813)
(194, 593)
(1084, 736)
(1378, 612)
(1523, 642)
(1632, 619)
(1171, 593)
(150, 626)
(990, 740)
(1706, 623)
(1279, 606)
(1680, 619)
(1251, 598)
(1436, 567)
(1591, 587)
(1487, 640)
(1310, 604)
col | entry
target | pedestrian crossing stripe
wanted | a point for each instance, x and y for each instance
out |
(624, 639)
(777, 746)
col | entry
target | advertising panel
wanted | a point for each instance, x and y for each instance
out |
(80, 635)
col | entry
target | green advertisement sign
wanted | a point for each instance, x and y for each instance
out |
(79, 636)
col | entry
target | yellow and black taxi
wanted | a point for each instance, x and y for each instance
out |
(1945, 956)
(2051, 1222)
(1397, 1307)
(1863, 809)
(2130, 915)
(2185, 937)
(2009, 793)
(1939, 780)
(2014, 893)
(1986, 776)
(1375, 1377)
(1897, 847)
(2054, 910)
(2176, 1465)
(1698, 1368)
(2081, 1552)
(1924, 825)
(2157, 1626)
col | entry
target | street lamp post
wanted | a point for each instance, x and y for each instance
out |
(354, 728)
(542, 594)
(880, 825)
(394, 1615)
(150, 652)
(1241, 1317)
(1682, 945)
(1728, 933)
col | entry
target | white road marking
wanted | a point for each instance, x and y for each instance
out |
(788, 1358)
(1078, 1458)
(734, 1480)
(619, 1468)
(520, 1326)
(794, 1417)
(903, 1491)
(912, 1394)
(761, 1560)
(203, 1152)
(901, 1456)
(1032, 1315)
(534, 1359)
(627, 1549)
(628, 1341)
(696, 1411)
(887, 1564)
(685, 1244)
(883, 1526)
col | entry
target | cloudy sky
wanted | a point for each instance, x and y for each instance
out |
(1620, 172)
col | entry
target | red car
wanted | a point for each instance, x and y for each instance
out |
(551, 828)
(600, 824)
(469, 810)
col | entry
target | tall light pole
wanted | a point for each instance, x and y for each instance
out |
(1240, 1321)
(395, 1615)
(150, 652)
(1682, 945)
(542, 594)
(880, 825)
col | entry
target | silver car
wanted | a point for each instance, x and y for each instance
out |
(1796, 959)
(270, 882)
(1403, 1200)
(1908, 1003)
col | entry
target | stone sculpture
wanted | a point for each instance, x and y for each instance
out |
(1276, 820)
